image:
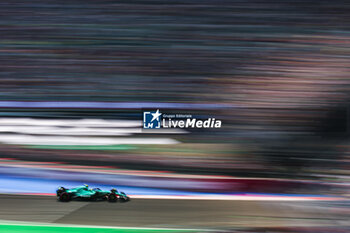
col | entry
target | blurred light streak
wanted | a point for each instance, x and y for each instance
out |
(40, 227)
(66, 174)
(112, 170)
(225, 197)
(10, 184)
(62, 140)
(111, 105)
(80, 130)
(71, 122)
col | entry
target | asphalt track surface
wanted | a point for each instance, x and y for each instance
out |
(203, 214)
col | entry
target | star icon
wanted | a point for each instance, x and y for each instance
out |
(156, 115)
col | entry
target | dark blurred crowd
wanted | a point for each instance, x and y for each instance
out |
(281, 68)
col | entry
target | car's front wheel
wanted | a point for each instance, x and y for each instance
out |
(60, 190)
(64, 197)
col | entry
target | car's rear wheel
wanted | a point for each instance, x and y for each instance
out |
(64, 197)
(112, 197)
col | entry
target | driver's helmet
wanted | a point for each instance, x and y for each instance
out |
(113, 190)
(86, 186)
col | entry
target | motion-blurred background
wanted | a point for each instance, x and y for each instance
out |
(76, 75)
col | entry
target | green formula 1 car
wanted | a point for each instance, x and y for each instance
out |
(95, 194)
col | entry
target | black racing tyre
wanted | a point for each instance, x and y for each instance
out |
(112, 197)
(64, 197)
